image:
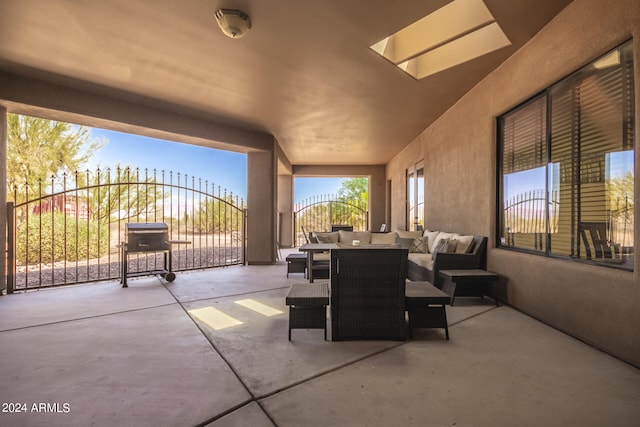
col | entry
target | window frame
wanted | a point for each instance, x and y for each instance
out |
(546, 250)
(415, 192)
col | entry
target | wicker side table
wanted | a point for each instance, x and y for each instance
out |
(297, 263)
(426, 306)
(469, 282)
(308, 306)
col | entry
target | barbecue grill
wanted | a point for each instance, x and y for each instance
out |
(150, 237)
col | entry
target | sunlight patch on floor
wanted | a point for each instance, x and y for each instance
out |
(215, 318)
(259, 307)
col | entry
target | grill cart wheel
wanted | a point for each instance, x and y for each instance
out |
(170, 276)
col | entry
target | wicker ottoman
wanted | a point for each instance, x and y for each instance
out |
(308, 306)
(426, 306)
(297, 263)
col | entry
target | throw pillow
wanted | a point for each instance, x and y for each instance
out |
(408, 234)
(432, 236)
(419, 245)
(350, 236)
(464, 243)
(444, 245)
(327, 237)
(383, 238)
(441, 236)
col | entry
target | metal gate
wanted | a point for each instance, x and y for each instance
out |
(319, 213)
(70, 229)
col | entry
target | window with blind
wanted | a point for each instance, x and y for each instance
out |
(566, 166)
(415, 197)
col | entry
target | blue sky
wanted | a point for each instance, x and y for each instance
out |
(304, 188)
(515, 184)
(224, 168)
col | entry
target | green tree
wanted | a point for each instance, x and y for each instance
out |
(354, 191)
(219, 215)
(354, 195)
(621, 192)
(124, 191)
(39, 148)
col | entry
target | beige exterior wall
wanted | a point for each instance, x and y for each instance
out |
(262, 198)
(285, 211)
(3, 190)
(34, 97)
(596, 304)
(285, 200)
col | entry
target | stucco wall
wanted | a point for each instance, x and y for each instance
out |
(262, 196)
(285, 211)
(597, 304)
(3, 190)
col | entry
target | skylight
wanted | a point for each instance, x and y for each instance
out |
(456, 33)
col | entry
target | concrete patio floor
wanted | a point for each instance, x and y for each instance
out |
(149, 355)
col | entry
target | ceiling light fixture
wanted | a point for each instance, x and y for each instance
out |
(233, 23)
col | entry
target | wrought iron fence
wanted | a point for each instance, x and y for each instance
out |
(526, 214)
(70, 229)
(319, 213)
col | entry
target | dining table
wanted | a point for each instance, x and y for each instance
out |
(311, 249)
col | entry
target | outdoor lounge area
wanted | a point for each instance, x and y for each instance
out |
(511, 124)
(150, 354)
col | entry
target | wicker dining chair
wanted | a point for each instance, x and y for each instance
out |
(368, 293)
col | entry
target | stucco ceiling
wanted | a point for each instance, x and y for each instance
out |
(304, 73)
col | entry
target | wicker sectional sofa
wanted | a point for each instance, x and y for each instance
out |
(366, 239)
(429, 251)
(347, 237)
(438, 250)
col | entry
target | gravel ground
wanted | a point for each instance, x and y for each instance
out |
(108, 268)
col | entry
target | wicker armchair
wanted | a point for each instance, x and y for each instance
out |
(368, 293)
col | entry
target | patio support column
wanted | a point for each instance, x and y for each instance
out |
(3, 194)
(285, 211)
(261, 207)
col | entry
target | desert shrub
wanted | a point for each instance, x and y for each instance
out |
(50, 238)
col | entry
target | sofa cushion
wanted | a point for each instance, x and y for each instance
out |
(321, 256)
(408, 234)
(384, 238)
(441, 236)
(404, 242)
(326, 237)
(419, 245)
(422, 260)
(464, 244)
(431, 236)
(350, 236)
(444, 245)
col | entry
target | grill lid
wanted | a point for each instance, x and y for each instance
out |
(147, 237)
(146, 227)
